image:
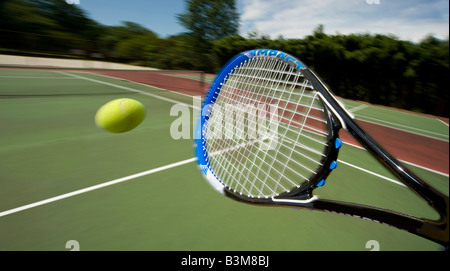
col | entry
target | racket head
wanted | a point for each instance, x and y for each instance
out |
(255, 89)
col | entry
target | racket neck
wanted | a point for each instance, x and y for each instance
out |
(434, 198)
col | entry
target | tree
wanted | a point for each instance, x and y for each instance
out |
(209, 20)
(46, 25)
(138, 47)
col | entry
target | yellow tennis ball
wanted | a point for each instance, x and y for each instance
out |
(120, 115)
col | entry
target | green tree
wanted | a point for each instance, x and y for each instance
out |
(432, 69)
(138, 47)
(46, 25)
(128, 41)
(209, 20)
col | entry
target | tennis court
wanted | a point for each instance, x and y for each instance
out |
(62, 178)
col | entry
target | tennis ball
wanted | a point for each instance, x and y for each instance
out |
(120, 115)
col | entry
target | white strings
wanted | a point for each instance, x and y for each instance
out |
(266, 132)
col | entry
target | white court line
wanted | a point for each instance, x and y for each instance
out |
(148, 172)
(98, 186)
(372, 173)
(151, 171)
(142, 84)
(392, 124)
(354, 109)
(396, 125)
(445, 123)
(403, 161)
(127, 88)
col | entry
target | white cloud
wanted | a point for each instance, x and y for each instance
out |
(406, 19)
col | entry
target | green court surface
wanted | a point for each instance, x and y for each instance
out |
(50, 146)
(423, 125)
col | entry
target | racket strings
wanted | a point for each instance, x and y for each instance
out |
(240, 90)
(266, 132)
(252, 165)
(247, 178)
(255, 81)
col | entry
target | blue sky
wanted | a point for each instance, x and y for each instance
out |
(406, 19)
(156, 15)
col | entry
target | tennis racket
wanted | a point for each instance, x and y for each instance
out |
(269, 134)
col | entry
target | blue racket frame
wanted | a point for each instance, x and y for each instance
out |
(223, 75)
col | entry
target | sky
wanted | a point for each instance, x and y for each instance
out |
(406, 19)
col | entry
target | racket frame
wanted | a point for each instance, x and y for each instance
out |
(339, 117)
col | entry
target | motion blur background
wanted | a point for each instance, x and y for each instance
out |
(393, 53)
(60, 60)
